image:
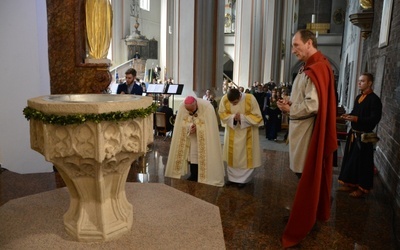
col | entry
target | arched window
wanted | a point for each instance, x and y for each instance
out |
(145, 5)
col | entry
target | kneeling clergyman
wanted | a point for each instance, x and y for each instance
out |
(241, 116)
(196, 141)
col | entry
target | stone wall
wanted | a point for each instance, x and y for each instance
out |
(385, 61)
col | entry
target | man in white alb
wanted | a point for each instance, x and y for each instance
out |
(241, 116)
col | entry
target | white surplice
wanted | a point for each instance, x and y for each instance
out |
(203, 148)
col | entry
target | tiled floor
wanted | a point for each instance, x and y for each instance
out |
(254, 217)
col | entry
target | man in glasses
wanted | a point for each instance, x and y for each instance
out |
(196, 142)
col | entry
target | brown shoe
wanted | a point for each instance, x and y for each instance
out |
(346, 189)
(357, 194)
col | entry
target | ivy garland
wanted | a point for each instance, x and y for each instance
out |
(63, 120)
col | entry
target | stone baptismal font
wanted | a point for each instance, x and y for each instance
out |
(92, 140)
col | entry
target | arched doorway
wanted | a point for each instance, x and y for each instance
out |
(228, 67)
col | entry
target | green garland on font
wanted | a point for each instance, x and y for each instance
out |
(63, 120)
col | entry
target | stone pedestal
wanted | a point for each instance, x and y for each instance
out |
(93, 158)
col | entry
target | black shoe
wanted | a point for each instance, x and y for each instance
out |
(229, 183)
(241, 185)
(286, 218)
(191, 178)
(298, 175)
(193, 172)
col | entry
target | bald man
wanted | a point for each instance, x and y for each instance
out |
(196, 143)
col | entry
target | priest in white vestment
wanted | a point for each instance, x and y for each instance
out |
(196, 143)
(241, 116)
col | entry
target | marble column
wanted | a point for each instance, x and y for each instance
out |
(198, 49)
(255, 42)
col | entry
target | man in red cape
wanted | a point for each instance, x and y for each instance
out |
(312, 200)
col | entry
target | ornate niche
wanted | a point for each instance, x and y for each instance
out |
(364, 18)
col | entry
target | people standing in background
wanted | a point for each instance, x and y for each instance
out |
(144, 88)
(130, 86)
(254, 87)
(312, 137)
(285, 117)
(240, 115)
(213, 102)
(357, 171)
(206, 96)
(273, 116)
(168, 113)
(260, 96)
(196, 142)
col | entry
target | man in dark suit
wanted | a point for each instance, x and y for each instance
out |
(130, 86)
(168, 113)
(136, 55)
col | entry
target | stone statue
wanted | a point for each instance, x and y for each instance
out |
(135, 11)
(135, 8)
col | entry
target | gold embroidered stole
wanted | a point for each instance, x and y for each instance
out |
(184, 146)
(249, 135)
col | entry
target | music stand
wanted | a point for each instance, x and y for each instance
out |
(174, 89)
(156, 89)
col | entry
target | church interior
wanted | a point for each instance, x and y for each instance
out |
(199, 45)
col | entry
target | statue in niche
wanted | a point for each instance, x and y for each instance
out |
(366, 4)
(98, 27)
